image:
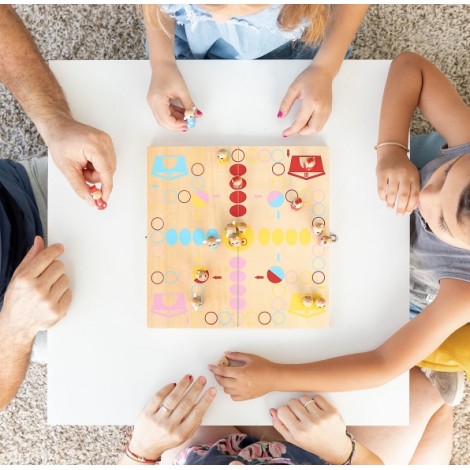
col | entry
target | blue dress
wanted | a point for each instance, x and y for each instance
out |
(255, 36)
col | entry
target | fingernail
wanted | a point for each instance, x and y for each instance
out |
(185, 130)
(199, 112)
(201, 380)
(285, 136)
(174, 384)
(271, 412)
(190, 378)
(212, 392)
(280, 114)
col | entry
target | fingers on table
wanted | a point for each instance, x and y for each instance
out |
(187, 401)
(156, 401)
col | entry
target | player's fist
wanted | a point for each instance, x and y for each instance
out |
(38, 295)
(397, 180)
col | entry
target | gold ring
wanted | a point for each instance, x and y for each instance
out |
(166, 409)
(310, 401)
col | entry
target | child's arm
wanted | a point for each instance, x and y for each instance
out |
(313, 85)
(409, 345)
(167, 83)
(412, 83)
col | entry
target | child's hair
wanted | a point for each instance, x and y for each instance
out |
(463, 210)
(289, 18)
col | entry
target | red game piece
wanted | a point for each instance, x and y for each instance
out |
(97, 196)
(297, 204)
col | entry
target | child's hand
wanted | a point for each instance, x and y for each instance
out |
(171, 417)
(314, 88)
(397, 180)
(168, 85)
(317, 428)
(251, 380)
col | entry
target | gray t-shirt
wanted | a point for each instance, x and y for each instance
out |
(431, 259)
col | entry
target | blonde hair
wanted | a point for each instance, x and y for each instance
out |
(289, 18)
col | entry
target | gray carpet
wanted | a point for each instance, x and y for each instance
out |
(441, 33)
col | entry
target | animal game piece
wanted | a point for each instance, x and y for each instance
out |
(223, 361)
(307, 300)
(196, 302)
(318, 227)
(97, 196)
(202, 275)
(230, 229)
(309, 163)
(320, 302)
(223, 156)
(212, 242)
(241, 227)
(297, 204)
(234, 240)
(190, 116)
(328, 239)
(236, 182)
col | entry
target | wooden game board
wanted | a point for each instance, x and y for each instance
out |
(260, 284)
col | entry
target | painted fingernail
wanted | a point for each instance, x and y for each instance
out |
(285, 136)
(190, 378)
(280, 114)
(199, 112)
(185, 130)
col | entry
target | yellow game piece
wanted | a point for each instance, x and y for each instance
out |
(223, 156)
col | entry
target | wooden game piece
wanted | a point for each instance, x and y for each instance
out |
(212, 242)
(320, 302)
(318, 227)
(196, 302)
(190, 116)
(307, 300)
(234, 240)
(309, 163)
(230, 229)
(202, 275)
(236, 182)
(97, 196)
(326, 240)
(241, 227)
(297, 204)
(223, 156)
(223, 361)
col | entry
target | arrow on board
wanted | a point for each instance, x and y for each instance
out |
(259, 277)
(216, 277)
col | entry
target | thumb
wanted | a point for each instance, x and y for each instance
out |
(238, 356)
(36, 248)
(76, 179)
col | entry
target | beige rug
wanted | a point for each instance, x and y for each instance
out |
(439, 32)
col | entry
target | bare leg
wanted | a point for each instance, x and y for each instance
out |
(397, 444)
(435, 447)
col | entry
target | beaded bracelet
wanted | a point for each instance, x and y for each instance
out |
(138, 458)
(383, 144)
(353, 451)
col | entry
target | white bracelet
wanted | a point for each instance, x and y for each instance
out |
(383, 144)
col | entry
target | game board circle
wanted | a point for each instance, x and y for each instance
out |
(241, 187)
(238, 210)
(278, 169)
(291, 195)
(251, 318)
(278, 304)
(318, 250)
(264, 318)
(251, 155)
(237, 169)
(306, 195)
(280, 321)
(291, 277)
(319, 263)
(157, 277)
(275, 199)
(279, 290)
(234, 289)
(161, 236)
(318, 195)
(197, 169)
(238, 263)
(237, 276)
(184, 196)
(305, 277)
(185, 276)
(318, 208)
(212, 321)
(274, 152)
(278, 182)
(318, 277)
(318, 219)
(264, 152)
(171, 277)
(240, 155)
(173, 198)
(238, 197)
(228, 317)
(157, 223)
(198, 182)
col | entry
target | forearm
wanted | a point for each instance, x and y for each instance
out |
(364, 456)
(27, 76)
(15, 352)
(344, 23)
(161, 40)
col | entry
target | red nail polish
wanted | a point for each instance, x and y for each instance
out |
(174, 384)
(285, 136)
(185, 130)
(199, 112)
(280, 114)
(190, 378)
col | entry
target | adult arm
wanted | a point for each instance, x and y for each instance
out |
(413, 82)
(37, 297)
(314, 85)
(82, 153)
(409, 345)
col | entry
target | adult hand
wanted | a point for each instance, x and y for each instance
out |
(38, 294)
(83, 153)
(316, 427)
(167, 86)
(171, 417)
(250, 380)
(313, 87)
(397, 180)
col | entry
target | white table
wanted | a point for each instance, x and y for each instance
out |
(104, 363)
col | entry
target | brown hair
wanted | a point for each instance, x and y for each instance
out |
(289, 18)
(463, 209)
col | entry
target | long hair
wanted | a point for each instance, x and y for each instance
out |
(463, 209)
(289, 18)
